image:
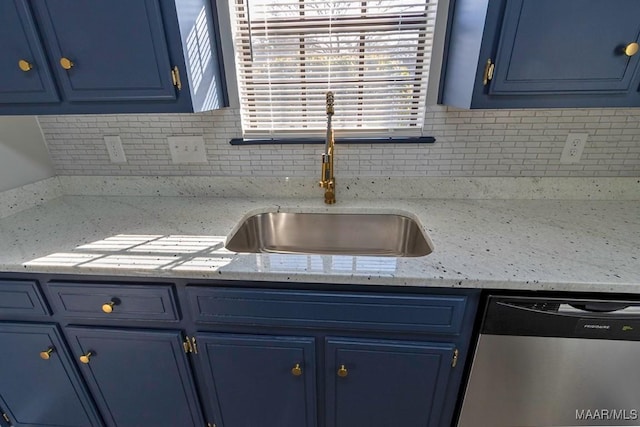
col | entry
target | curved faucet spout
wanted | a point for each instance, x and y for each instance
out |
(328, 180)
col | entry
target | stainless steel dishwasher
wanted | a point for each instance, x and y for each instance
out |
(555, 362)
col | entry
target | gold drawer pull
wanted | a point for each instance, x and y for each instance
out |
(108, 307)
(296, 371)
(25, 65)
(631, 49)
(46, 355)
(66, 63)
(342, 372)
(85, 357)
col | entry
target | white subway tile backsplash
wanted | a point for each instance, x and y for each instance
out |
(469, 143)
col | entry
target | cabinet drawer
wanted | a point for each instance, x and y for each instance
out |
(441, 314)
(21, 297)
(114, 301)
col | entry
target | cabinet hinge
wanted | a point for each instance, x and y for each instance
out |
(454, 359)
(175, 75)
(489, 68)
(186, 344)
(6, 418)
(190, 346)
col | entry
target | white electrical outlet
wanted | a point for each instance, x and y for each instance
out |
(573, 147)
(115, 150)
(187, 149)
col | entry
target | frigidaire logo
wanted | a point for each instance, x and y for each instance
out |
(607, 414)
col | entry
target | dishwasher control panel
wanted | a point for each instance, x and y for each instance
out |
(558, 317)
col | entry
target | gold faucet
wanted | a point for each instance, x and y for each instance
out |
(328, 181)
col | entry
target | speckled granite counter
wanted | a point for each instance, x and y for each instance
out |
(507, 244)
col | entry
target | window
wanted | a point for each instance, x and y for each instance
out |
(373, 54)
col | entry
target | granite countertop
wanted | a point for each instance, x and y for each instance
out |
(572, 245)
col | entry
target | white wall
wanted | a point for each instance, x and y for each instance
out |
(23, 154)
(482, 143)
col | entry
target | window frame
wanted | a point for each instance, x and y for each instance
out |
(223, 8)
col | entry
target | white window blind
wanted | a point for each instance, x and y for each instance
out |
(373, 54)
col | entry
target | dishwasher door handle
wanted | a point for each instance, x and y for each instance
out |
(592, 309)
(599, 309)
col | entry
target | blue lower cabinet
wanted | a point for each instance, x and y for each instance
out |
(138, 377)
(264, 381)
(39, 384)
(384, 383)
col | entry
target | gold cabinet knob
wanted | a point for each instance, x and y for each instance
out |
(66, 63)
(631, 49)
(342, 372)
(46, 355)
(85, 357)
(108, 307)
(296, 371)
(25, 65)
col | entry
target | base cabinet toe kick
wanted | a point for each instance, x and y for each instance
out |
(143, 352)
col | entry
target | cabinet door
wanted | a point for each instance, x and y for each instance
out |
(117, 49)
(568, 46)
(20, 43)
(39, 385)
(138, 377)
(377, 383)
(259, 380)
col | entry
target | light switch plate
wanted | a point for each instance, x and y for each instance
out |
(114, 148)
(187, 149)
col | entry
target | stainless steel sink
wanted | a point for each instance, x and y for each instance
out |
(331, 234)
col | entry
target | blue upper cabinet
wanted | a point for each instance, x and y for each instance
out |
(544, 49)
(107, 50)
(112, 56)
(542, 53)
(24, 71)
